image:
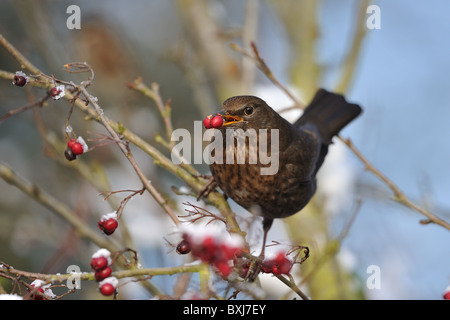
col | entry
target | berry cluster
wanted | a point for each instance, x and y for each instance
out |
(279, 264)
(75, 147)
(213, 122)
(108, 223)
(101, 264)
(212, 246)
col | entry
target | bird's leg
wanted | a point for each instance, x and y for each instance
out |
(256, 265)
(267, 223)
(210, 186)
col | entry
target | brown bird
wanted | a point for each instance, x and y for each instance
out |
(296, 155)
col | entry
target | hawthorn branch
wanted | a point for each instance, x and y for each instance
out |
(126, 151)
(399, 195)
(261, 64)
(13, 112)
(164, 109)
(24, 62)
(5, 269)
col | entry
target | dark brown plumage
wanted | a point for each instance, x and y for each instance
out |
(302, 148)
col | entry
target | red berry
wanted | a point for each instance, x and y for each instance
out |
(103, 274)
(36, 296)
(108, 226)
(446, 295)
(225, 252)
(107, 289)
(207, 122)
(224, 268)
(99, 263)
(55, 91)
(208, 243)
(278, 265)
(19, 81)
(267, 266)
(216, 122)
(77, 148)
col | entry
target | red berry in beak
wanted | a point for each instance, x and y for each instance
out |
(207, 122)
(216, 122)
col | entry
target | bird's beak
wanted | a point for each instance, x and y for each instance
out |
(229, 119)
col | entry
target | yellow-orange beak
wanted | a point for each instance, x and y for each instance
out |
(229, 119)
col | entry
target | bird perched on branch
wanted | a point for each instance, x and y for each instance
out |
(299, 150)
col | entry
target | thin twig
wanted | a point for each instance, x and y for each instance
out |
(125, 150)
(24, 62)
(261, 64)
(399, 196)
(13, 112)
(54, 205)
(291, 284)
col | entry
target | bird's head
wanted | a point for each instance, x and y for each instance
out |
(246, 112)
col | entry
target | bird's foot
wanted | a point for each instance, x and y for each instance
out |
(254, 268)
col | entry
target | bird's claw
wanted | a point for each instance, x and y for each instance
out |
(253, 270)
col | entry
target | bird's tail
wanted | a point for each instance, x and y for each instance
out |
(329, 112)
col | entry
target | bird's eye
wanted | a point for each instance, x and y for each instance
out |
(249, 110)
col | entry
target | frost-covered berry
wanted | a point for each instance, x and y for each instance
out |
(99, 263)
(279, 264)
(57, 92)
(75, 147)
(214, 246)
(43, 288)
(108, 223)
(108, 286)
(20, 79)
(101, 259)
(107, 289)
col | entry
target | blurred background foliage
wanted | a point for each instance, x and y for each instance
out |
(183, 45)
